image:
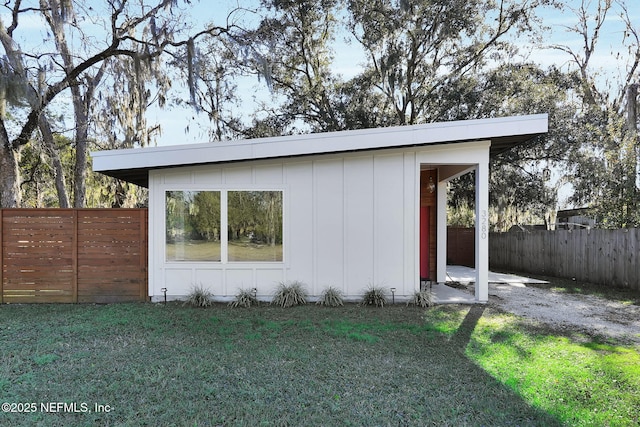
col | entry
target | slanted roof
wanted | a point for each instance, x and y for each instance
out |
(133, 165)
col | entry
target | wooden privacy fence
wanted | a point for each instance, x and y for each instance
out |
(461, 246)
(73, 255)
(607, 257)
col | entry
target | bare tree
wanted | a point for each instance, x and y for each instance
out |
(138, 32)
(420, 52)
(607, 173)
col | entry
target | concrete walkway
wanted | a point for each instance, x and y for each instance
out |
(443, 294)
(465, 275)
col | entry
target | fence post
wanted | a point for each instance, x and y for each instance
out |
(144, 285)
(74, 255)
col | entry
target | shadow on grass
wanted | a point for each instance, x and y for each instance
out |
(265, 366)
(461, 338)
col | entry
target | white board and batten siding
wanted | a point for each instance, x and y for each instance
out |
(349, 221)
(351, 202)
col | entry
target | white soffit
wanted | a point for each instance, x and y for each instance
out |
(319, 143)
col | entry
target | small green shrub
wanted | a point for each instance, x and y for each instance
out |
(288, 295)
(331, 297)
(421, 299)
(374, 295)
(244, 298)
(199, 296)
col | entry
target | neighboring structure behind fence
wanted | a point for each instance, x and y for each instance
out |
(73, 255)
(608, 257)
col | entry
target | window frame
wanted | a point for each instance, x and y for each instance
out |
(224, 212)
(182, 261)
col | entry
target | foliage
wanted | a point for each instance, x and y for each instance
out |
(291, 49)
(375, 296)
(428, 62)
(199, 296)
(605, 175)
(244, 298)
(604, 171)
(206, 218)
(424, 61)
(110, 80)
(290, 294)
(193, 215)
(255, 216)
(422, 57)
(422, 299)
(331, 297)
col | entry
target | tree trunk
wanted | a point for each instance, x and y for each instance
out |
(82, 131)
(9, 174)
(632, 129)
(58, 172)
(79, 172)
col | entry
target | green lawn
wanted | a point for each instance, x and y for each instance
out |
(175, 365)
(238, 251)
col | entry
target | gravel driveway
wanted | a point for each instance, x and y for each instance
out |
(584, 313)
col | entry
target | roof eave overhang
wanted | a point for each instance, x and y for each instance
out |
(133, 165)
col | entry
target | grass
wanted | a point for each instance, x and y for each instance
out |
(193, 250)
(238, 251)
(579, 380)
(245, 251)
(173, 365)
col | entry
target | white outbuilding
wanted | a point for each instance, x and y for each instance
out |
(348, 209)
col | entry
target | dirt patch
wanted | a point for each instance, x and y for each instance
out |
(583, 313)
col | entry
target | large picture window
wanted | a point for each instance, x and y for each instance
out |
(253, 220)
(193, 226)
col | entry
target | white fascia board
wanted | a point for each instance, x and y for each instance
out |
(319, 143)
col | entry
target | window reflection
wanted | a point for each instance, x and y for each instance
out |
(193, 226)
(254, 225)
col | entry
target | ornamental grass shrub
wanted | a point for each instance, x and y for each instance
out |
(374, 295)
(290, 294)
(199, 296)
(244, 298)
(421, 299)
(331, 297)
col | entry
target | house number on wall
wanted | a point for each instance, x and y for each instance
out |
(483, 225)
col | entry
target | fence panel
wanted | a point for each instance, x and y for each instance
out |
(607, 257)
(73, 255)
(38, 256)
(112, 255)
(461, 246)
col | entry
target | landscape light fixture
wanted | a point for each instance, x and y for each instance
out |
(255, 292)
(164, 291)
(393, 295)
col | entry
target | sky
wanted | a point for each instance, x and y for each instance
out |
(348, 60)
